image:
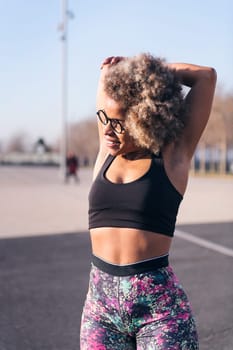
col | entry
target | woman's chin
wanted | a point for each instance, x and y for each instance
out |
(113, 148)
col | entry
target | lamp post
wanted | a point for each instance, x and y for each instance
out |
(64, 106)
(63, 27)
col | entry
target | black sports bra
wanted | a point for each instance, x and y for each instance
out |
(149, 203)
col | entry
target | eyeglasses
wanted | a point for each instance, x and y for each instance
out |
(116, 124)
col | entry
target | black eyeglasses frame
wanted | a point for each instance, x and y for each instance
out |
(116, 124)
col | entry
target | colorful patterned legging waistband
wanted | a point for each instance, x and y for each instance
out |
(146, 311)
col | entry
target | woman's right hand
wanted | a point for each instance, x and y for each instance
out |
(111, 60)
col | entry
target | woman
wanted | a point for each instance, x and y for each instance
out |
(148, 134)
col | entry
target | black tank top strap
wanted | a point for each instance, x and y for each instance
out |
(106, 164)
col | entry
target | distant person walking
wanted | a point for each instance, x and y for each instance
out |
(72, 167)
(148, 134)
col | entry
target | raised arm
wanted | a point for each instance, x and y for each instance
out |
(100, 98)
(102, 153)
(201, 81)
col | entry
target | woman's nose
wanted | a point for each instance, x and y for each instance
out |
(108, 129)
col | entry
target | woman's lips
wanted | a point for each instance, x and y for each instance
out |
(112, 143)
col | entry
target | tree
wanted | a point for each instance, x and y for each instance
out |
(83, 139)
(218, 134)
(17, 143)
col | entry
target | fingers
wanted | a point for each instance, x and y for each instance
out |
(111, 60)
(107, 60)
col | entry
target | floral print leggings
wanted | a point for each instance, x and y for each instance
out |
(144, 311)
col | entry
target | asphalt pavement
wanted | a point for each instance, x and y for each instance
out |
(45, 258)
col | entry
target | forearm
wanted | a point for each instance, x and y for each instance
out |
(190, 74)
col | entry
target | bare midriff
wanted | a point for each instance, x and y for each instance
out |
(126, 245)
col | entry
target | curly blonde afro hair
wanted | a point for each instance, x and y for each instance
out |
(152, 98)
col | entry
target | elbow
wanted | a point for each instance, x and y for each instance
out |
(211, 75)
(207, 78)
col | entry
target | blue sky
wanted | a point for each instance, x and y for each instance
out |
(30, 52)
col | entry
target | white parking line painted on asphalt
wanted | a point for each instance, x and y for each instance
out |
(204, 243)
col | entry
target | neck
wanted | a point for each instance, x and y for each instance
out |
(138, 154)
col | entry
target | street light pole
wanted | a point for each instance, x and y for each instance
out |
(63, 27)
(64, 86)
